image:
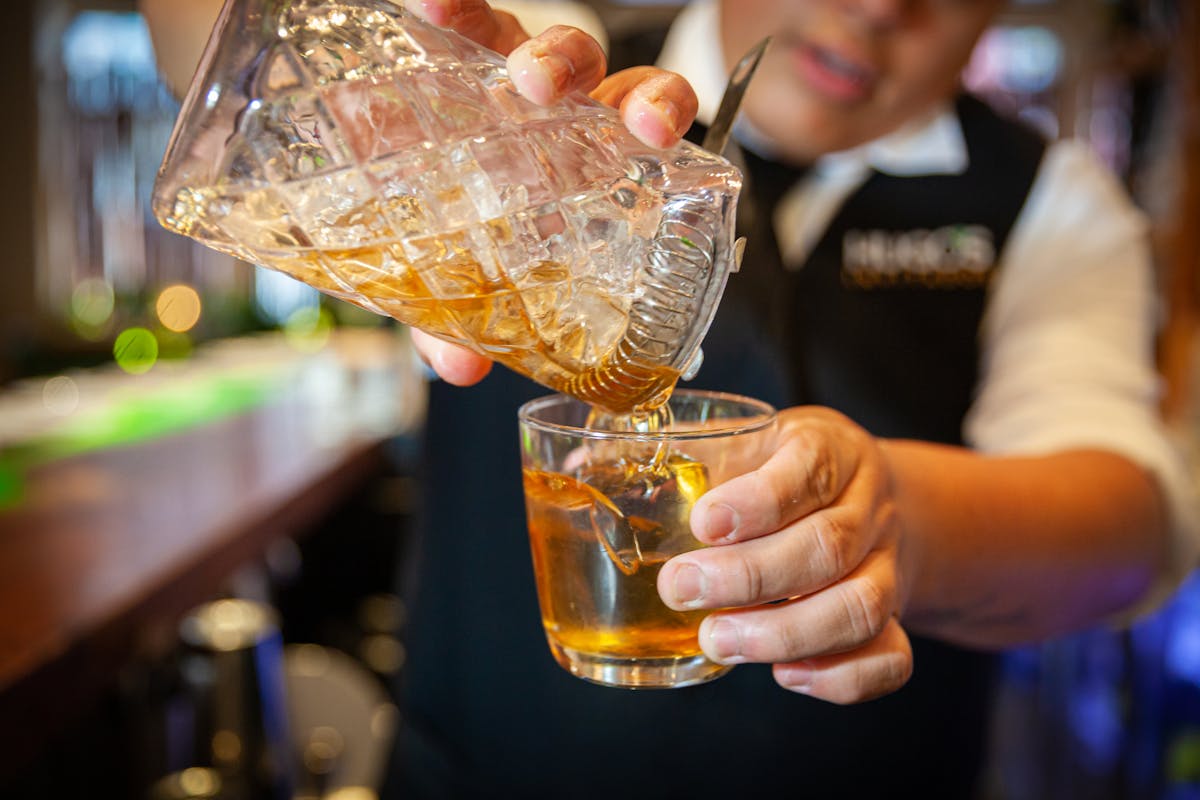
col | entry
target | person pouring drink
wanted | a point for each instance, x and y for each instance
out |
(957, 319)
(970, 456)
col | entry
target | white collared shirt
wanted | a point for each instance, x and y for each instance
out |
(1068, 333)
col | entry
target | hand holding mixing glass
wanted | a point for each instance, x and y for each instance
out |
(393, 164)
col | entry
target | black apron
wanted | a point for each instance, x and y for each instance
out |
(885, 331)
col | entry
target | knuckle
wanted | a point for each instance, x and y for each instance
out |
(749, 581)
(789, 643)
(658, 82)
(853, 685)
(898, 670)
(887, 518)
(869, 680)
(820, 479)
(506, 20)
(845, 695)
(831, 547)
(819, 468)
(866, 609)
(775, 498)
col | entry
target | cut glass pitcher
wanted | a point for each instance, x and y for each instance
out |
(393, 165)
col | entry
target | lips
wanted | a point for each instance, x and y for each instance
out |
(834, 74)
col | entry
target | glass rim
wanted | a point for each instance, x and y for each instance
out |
(764, 418)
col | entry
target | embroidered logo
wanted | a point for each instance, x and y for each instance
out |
(951, 257)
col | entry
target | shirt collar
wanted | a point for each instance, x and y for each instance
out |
(932, 145)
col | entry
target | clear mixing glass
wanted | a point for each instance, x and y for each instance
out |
(393, 165)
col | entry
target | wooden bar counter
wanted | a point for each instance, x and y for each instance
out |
(106, 550)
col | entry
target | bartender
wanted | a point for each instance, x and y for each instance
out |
(958, 318)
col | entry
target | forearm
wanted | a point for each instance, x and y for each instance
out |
(1004, 550)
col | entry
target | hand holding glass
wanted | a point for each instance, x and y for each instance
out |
(607, 507)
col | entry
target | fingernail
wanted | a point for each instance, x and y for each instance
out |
(726, 641)
(721, 522)
(659, 120)
(425, 9)
(540, 75)
(689, 586)
(796, 677)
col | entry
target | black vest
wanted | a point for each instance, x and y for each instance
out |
(488, 713)
(882, 321)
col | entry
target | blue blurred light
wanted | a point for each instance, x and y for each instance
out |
(1034, 59)
(110, 64)
(278, 297)
(1181, 654)
(1095, 718)
(1026, 59)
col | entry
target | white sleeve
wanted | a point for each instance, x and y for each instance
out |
(1068, 340)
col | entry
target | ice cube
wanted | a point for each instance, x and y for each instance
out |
(480, 187)
(515, 175)
(574, 155)
(256, 218)
(293, 137)
(458, 105)
(339, 210)
(545, 289)
(377, 119)
(651, 499)
(690, 476)
(616, 536)
(400, 48)
(398, 187)
(335, 43)
(514, 238)
(278, 75)
(602, 319)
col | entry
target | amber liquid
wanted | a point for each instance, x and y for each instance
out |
(563, 332)
(598, 547)
(493, 316)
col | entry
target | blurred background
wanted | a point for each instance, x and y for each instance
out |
(131, 359)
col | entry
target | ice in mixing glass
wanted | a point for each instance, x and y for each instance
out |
(393, 165)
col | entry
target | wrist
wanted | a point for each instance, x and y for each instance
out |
(913, 551)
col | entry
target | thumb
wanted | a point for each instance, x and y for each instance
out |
(453, 363)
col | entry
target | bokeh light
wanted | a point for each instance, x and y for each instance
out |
(308, 329)
(277, 296)
(173, 346)
(199, 782)
(136, 350)
(178, 307)
(1024, 59)
(226, 746)
(60, 395)
(383, 653)
(91, 310)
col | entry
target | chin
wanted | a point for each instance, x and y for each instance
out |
(805, 134)
(806, 125)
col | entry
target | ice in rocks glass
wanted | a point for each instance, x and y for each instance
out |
(608, 503)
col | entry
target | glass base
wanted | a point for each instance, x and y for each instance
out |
(638, 673)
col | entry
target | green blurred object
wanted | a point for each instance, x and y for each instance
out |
(12, 483)
(1183, 757)
(135, 350)
(135, 417)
